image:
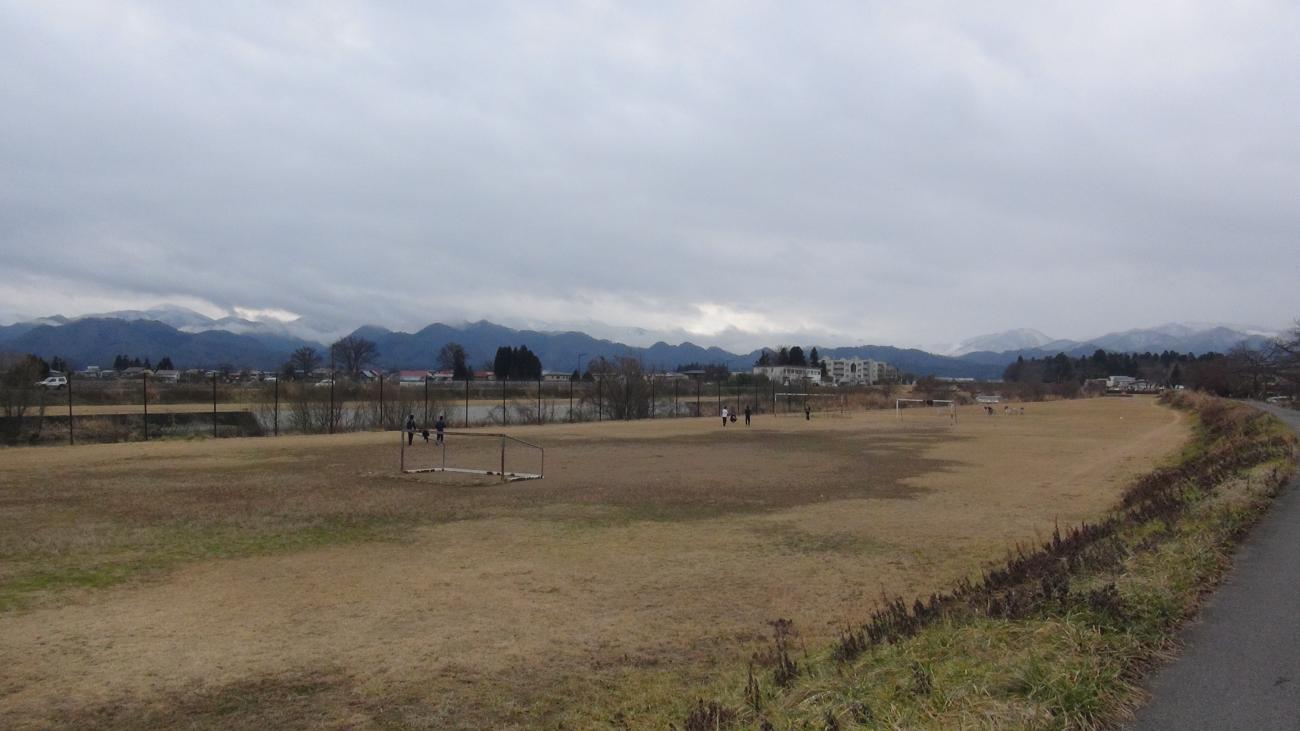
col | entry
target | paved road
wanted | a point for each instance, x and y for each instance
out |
(1241, 665)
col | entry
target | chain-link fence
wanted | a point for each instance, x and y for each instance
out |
(143, 407)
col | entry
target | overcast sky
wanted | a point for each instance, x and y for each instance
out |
(733, 172)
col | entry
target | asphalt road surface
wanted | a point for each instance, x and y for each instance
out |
(1240, 668)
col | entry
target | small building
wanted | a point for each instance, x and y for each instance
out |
(674, 376)
(443, 376)
(1120, 383)
(555, 376)
(413, 378)
(167, 376)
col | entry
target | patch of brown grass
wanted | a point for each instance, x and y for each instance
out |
(652, 554)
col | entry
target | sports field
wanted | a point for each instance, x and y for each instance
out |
(303, 582)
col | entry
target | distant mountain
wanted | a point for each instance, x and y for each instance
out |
(1179, 337)
(1182, 338)
(96, 341)
(187, 320)
(1021, 339)
(194, 340)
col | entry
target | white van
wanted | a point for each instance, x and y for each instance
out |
(53, 382)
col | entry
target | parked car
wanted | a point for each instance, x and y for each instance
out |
(53, 382)
(325, 383)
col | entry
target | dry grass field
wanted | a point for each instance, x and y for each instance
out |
(302, 582)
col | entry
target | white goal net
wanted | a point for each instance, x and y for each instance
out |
(473, 453)
(927, 409)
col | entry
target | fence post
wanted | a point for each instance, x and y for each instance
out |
(699, 384)
(503, 402)
(70, 440)
(503, 459)
(381, 402)
(426, 400)
(332, 374)
(539, 399)
(652, 396)
(444, 448)
(144, 388)
(600, 402)
(214, 406)
(276, 411)
(571, 419)
(675, 384)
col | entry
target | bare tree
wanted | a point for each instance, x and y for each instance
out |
(305, 359)
(1251, 370)
(18, 392)
(1285, 357)
(452, 357)
(353, 354)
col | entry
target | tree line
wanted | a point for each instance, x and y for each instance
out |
(792, 356)
(1242, 371)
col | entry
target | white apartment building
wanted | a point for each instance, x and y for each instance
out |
(858, 371)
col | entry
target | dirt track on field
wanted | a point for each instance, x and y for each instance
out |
(650, 558)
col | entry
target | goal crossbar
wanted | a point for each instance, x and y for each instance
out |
(504, 439)
(949, 407)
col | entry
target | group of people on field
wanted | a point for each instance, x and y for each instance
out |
(729, 415)
(439, 427)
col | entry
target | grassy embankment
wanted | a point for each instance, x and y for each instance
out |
(1058, 636)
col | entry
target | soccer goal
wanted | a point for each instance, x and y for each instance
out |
(473, 453)
(943, 408)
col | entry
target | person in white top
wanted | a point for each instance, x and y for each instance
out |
(724, 415)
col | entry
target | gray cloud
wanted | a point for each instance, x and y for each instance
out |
(852, 172)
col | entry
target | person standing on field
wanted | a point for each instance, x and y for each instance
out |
(410, 429)
(807, 412)
(747, 413)
(438, 428)
(724, 416)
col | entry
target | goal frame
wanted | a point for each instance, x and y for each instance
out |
(503, 473)
(952, 406)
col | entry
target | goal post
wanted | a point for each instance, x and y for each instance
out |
(473, 453)
(940, 407)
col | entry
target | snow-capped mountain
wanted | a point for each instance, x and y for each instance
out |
(189, 321)
(1019, 339)
(1183, 337)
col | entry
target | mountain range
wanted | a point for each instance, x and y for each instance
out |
(191, 339)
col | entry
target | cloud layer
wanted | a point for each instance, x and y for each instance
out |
(732, 170)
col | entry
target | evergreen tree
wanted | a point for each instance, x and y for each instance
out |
(797, 357)
(501, 364)
(166, 364)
